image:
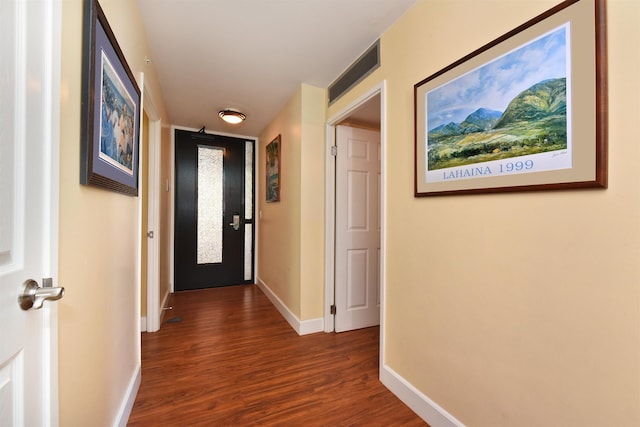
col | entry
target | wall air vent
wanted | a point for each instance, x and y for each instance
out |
(361, 68)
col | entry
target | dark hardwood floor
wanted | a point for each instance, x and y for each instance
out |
(232, 360)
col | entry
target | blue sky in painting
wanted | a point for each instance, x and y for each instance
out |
(496, 83)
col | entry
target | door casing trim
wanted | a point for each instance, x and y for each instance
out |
(52, 110)
(154, 314)
(330, 208)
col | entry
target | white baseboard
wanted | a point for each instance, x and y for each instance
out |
(302, 327)
(311, 326)
(143, 324)
(419, 403)
(129, 399)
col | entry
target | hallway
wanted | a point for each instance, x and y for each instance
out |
(226, 356)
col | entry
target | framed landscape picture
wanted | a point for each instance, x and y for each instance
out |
(273, 170)
(528, 111)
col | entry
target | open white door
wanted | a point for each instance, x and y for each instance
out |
(357, 293)
(153, 302)
(29, 82)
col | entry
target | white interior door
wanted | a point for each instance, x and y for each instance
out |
(154, 310)
(357, 264)
(29, 81)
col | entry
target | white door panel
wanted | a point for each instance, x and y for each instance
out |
(357, 293)
(357, 275)
(28, 218)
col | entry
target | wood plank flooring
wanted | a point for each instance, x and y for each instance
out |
(232, 360)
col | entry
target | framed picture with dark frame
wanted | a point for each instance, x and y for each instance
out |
(527, 111)
(110, 109)
(273, 165)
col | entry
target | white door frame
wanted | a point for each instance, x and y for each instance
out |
(330, 208)
(51, 407)
(153, 212)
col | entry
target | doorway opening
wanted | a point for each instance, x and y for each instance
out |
(214, 210)
(369, 112)
(153, 292)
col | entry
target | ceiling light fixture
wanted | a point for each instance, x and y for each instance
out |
(232, 116)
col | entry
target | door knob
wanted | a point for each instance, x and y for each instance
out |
(33, 296)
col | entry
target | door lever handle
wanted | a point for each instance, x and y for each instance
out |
(33, 296)
(236, 222)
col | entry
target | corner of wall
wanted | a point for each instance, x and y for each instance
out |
(302, 327)
(419, 403)
(129, 398)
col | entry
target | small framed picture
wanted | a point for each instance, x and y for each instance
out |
(273, 170)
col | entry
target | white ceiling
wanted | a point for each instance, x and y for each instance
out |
(252, 55)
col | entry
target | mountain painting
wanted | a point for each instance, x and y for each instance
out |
(512, 107)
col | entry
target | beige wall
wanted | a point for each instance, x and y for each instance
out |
(98, 246)
(279, 225)
(290, 241)
(512, 309)
(312, 158)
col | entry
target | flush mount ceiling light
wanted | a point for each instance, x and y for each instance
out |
(232, 116)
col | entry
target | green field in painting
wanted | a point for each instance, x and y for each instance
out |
(515, 140)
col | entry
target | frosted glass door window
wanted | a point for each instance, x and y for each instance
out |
(248, 251)
(209, 223)
(248, 212)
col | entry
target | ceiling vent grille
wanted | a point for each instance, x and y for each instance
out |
(361, 68)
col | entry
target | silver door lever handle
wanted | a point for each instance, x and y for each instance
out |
(236, 222)
(33, 296)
